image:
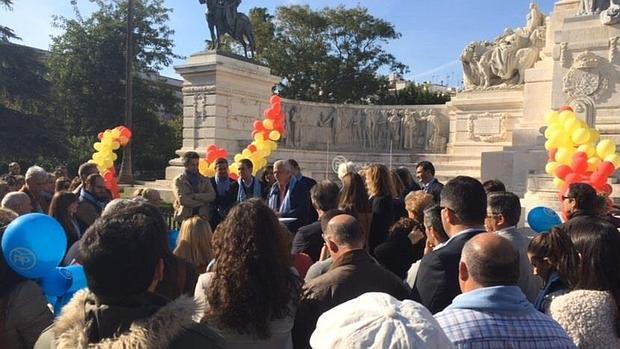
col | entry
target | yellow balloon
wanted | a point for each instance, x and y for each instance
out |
(234, 168)
(605, 148)
(258, 137)
(115, 145)
(594, 135)
(210, 172)
(274, 135)
(550, 145)
(588, 149)
(558, 183)
(115, 133)
(268, 123)
(614, 159)
(550, 168)
(564, 140)
(593, 164)
(238, 157)
(570, 125)
(564, 155)
(246, 153)
(580, 136)
(551, 117)
(203, 167)
(566, 115)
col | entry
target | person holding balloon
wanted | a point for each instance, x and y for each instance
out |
(24, 313)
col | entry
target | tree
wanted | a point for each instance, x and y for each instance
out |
(87, 70)
(331, 55)
(7, 33)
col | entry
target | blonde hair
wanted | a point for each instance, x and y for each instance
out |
(416, 202)
(151, 195)
(194, 242)
(379, 181)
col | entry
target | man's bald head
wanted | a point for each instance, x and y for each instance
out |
(491, 260)
(345, 230)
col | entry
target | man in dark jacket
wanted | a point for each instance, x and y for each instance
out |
(91, 201)
(225, 192)
(425, 172)
(122, 255)
(309, 239)
(309, 183)
(464, 208)
(353, 273)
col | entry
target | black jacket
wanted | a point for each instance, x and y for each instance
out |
(437, 282)
(397, 254)
(309, 240)
(223, 203)
(382, 220)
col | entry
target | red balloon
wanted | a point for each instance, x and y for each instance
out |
(100, 136)
(580, 154)
(565, 107)
(277, 108)
(272, 114)
(252, 148)
(598, 180)
(607, 168)
(233, 176)
(212, 147)
(572, 178)
(579, 164)
(275, 99)
(562, 171)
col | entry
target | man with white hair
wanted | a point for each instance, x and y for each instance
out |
(17, 202)
(289, 197)
(36, 180)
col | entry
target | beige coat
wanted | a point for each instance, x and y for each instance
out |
(186, 199)
(588, 318)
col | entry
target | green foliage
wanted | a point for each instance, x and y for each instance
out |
(411, 95)
(7, 33)
(87, 71)
(331, 55)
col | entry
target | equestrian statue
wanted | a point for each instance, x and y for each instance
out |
(223, 18)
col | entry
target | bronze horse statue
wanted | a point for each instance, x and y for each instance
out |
(223, 18)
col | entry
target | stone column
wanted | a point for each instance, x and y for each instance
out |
(222, 97)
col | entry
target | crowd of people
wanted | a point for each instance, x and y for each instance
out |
(379, 259)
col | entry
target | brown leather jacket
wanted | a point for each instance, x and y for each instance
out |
(354, 274)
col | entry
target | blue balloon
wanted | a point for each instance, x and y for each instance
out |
(173, 236)
(542, 219)
(79, 278)
(33, 245)
(57, 282)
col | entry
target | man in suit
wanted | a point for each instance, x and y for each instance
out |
(425, 172)
(464, 204)
(309, 182)
(91, 202)
(309, 238)
(503, 214)
(289, 197)
(226, 190)
(192, 191)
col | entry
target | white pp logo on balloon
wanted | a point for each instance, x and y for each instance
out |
(23, 258)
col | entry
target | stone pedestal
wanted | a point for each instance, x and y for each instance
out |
(222, 97)
(484, 120)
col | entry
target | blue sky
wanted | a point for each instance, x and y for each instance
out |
(433, 32)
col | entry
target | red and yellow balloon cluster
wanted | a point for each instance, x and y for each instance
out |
(206, 166)
(104, 157)
(576, 152)
(266, 134)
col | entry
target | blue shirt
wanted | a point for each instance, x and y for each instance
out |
(500, 317)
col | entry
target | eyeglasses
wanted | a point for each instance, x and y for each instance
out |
(493, 215)
(567, 197)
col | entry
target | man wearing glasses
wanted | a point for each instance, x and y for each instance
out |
(464, 204)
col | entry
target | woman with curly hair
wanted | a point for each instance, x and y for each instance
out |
(381, 193)
(251, 292)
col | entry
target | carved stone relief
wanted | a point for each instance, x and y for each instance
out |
(488, 128)
(585, 77)
(375, 128)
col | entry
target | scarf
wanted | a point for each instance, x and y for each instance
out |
(223, 185)
(86, 196)
(285, 205)
(500, 299)
(241, 194)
